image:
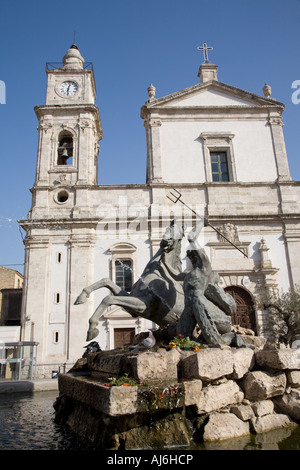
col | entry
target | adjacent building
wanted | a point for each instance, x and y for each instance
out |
(11, 282)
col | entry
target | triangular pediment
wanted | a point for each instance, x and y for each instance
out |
(212, 94)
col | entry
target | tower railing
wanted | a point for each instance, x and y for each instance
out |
(59, 65)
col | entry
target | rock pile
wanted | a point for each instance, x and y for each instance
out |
(184, 396)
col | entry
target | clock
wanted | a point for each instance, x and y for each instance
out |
(68, 88)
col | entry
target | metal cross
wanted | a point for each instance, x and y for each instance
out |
(205, 48)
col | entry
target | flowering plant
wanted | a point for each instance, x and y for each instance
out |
(124, 381)
(184, 343)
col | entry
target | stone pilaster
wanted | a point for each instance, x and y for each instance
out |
(154, 170)
(276, 125)
(292, 239)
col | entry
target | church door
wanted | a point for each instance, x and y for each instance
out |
(245, 312)
(123, 336)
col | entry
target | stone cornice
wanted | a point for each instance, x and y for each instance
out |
(258, 101)
(51, 109)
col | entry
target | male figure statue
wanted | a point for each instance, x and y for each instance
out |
(195, 285)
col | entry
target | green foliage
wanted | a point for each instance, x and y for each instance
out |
(125, 380)
(184, 343)
(284, 315)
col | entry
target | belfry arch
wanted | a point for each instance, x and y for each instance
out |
(65, 149)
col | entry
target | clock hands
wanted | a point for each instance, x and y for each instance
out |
(69, 88)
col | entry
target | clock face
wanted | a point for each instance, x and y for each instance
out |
(68, 88)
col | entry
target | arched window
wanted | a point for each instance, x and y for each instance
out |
(65, 149)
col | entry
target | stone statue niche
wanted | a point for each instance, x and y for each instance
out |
(169, 297)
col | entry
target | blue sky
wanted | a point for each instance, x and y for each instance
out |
(133, 43)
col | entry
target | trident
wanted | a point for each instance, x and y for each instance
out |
(177, 197)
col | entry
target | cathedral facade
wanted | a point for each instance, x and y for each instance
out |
(213, 151)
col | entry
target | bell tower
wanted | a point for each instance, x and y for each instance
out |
(61, 224)
(69, 126)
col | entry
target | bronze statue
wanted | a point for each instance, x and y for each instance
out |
(166, 295)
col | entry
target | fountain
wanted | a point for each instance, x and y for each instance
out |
(201, 379)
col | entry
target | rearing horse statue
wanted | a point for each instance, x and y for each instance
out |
(156, 296)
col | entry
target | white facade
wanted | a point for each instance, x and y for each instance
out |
(76, 230)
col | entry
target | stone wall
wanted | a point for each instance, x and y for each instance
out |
(185, 397)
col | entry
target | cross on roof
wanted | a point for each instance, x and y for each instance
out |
(205, 48)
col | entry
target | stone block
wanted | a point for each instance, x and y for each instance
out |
(260, 385)
(223, 426)
(243, 362)
(257, 341)
(289, 403)
(263, 407)
(155, 398)
(170, 432)
(146, 365)
(243, 412)
(269, 422)
(293, 378)
(214, 397)
(106, 362)
(192, 391)
(286, 358)
(113, 401)
(208, 364)
(161, 365)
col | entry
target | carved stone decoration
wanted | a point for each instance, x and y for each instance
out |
(264, 256)
(151, 92)
(229, 231)
(83, 124)
(45, 126)
(267, 90)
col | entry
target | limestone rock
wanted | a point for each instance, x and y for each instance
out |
(286, 358)
(106, 361)
(243, 412)
(243, 362)
(260, 385)
(293, 377)
(144, 365)
(168, 432)
(160, 365)
(257, 341)
(208, 364)
(263, 407)
(269, 422)
(192, 389)
(113, 401)
(289, 403)
(223, 426)
(214, 397)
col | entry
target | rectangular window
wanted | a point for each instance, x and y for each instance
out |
(123, 269)
(219, 166)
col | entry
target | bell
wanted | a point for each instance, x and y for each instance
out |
(64, 156)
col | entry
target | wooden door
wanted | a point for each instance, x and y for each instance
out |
(123, 336)
(245, 312)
